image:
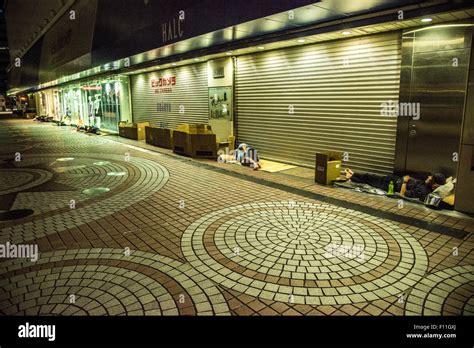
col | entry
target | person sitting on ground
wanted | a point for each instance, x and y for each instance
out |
(66, 119)
(245, 155)
(406, 186)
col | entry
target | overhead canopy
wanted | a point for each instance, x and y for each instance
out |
(132, 35)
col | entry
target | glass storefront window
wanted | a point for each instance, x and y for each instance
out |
(103, 103)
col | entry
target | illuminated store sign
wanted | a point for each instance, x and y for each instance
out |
(172, 29)
(163, 84)
(163, 81)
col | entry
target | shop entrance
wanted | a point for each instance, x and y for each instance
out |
(436, 82)
(102, 101)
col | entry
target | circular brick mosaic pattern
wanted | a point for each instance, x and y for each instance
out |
(14, 139)
(304, 253)
(144, 177)
(69, 145)
(446, 292)
(19, 179)
(106, 282)
(64, 138)
(11, 148)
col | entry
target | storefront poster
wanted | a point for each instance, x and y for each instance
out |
(220, 103)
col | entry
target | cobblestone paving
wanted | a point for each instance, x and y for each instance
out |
(444, 292)
(304, 253)
(19, 179)
(125, 191)
(104, 287)
(163, 235)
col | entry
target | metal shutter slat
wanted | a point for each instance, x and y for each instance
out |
(190, 91)
(336, 107)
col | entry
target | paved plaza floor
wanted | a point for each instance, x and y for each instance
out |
(122, 229)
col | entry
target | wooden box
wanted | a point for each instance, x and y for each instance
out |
(202, 145)
(158, 136)
(134, 131)
(195, 128)
(180, 142)
(195, 145)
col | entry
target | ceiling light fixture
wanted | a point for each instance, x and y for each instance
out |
(261, 47)
(426, 20)
(346, 33)
(301, 40)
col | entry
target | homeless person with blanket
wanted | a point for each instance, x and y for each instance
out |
(407, 186)
(245, 155)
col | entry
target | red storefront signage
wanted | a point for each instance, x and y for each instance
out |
(163, 84)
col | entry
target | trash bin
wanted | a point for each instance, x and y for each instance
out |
(328, 167)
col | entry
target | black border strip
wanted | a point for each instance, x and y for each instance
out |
(250, 331)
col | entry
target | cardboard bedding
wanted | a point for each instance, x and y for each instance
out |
(359, 187)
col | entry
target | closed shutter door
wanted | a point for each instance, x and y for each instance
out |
(292, 103)
(183, 102)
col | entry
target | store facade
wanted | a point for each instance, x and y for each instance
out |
(296, 101)
(289, 99)
(338, 95)
(289, 103)
(169, 97)
(194, 93)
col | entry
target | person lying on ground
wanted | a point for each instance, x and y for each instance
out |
(92, 129)
(245, 155)
(406, 186)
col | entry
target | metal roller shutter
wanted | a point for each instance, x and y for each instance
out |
(190, 91)
(336, 90)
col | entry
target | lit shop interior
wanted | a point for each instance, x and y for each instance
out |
(102, 102)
